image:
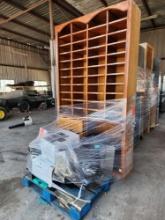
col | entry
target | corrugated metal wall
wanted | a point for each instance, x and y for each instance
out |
(22, 63)
(157, 40)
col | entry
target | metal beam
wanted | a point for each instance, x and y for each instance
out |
(26, 25)
(23, 44)
(51, 20)
(149, 18)
(104, 3)
(21, 7)
(52, 52)
(145, 3)
(23, 35)
(152, 29)
(68, 7)
(22, 12)
(23, 67)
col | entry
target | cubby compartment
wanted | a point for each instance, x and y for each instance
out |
(97, 31)
(116, 68)
(79, 36)
(118, 24)
(78, 74)
(78, 96)
(66, 95)
(115, 57)
(115, 14)
(64, 57)
(79, 46)
(93, 72)
(117, 46)
(66, 87)
(78, 26)
(97, 51)
(77, 79)
(97, 41)
(65, 65)
(65, 31)
(78, 63)
(64, 40)
(110, 96)
(92, 96)
(66, 48)
(99, 19)
(79, 55)
(95, 61)
(93, 79)
(78, 87)
(65, 80)
(65, 73)
(92, 87)
(117, 36)
(64, 102)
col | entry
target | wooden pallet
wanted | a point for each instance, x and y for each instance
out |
(75, 209)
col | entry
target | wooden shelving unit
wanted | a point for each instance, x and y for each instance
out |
(97, 58)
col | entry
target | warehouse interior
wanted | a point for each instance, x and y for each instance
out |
(94, 70)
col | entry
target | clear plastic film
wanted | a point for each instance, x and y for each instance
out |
(147, 103)
(141, 80)
(83, 149)
(153, 92)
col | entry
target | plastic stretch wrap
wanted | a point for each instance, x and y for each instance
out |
(141, 80)
(153, 93)
(112, 110)
(146, 102)
(89, 155)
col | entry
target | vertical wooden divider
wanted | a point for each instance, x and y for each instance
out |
(85, 86)
(102, 65)
(106, 57)
(71, 68)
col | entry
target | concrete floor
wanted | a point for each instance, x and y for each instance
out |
(139, 197)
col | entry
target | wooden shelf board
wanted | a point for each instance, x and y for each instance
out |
(114, 93)
(117, 42)
(94, 75)
(115, 74)
(118, 20)
(116, 53)
(94, 57)
(117, 32)
(93, 66)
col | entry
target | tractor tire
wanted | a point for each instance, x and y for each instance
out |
(24, 106)
(3, 113)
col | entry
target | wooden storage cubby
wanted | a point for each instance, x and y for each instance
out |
(93, 54)
(97, 59)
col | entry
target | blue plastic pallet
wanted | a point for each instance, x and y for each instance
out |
(48, 195)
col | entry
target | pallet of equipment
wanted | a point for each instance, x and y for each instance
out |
(68, 199)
